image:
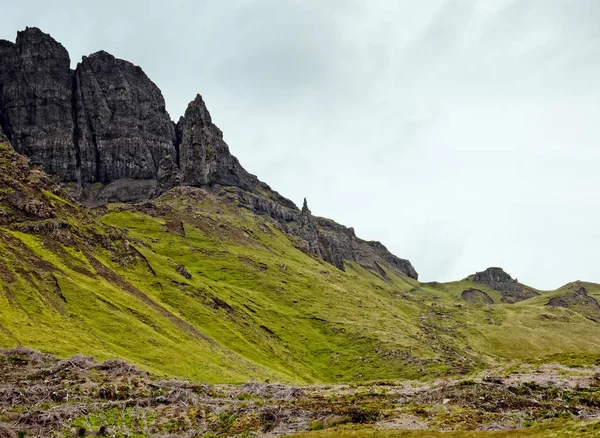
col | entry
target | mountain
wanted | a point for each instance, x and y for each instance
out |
(192, 284)
(126, 235)
(103, 128)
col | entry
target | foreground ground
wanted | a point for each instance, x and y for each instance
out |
(41, 395)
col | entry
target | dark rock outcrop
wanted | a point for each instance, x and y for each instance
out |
(205, 161)
(123, 128)
(578, 301)
(103, 122)
(269, 204)
(308, 230)
(497, 279)
(123, 190)
(476, 296)
(204, 156)
(168, 175)
(340, 244)
(21, 197)
(512, 291)
(36, 101)
(337, 244)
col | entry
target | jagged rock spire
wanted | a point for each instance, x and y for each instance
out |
(305, 210)
(204, 156)
(309, 231)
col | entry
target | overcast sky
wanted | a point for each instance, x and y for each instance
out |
(461, 134)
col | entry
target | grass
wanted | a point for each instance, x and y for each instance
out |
(190, 285)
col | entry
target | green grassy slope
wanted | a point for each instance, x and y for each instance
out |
(191, 285)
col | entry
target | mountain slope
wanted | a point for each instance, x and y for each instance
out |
(104, 131)
(191, 284)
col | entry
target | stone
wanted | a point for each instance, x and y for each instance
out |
(309, 232)
(204, 157)
(36, 101)
(284, 211)
(124, 190)
(340, 244)
(578, 301)
(123, 128)
(168, 175)
(32, 207)
(497, 279)
(476, 296)
(512, 291)
(183, 271)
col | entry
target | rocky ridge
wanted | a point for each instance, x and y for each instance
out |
(579, 301)
(498, 280)
(103, 129)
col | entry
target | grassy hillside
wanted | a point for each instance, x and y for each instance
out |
(191, 285)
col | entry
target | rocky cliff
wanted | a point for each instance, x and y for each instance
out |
(122, 127)
(511, 290)
(103, 128)
(36, 101)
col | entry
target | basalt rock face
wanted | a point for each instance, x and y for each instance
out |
(123, 128)
(169, 175)
(104, 129)
(579, 301)
(339, 244)
(308, 230)
(497, 279)
(511, 290)
(36, 101)
(476, 296)
(204, 156)
(103, 122)
(268, 203)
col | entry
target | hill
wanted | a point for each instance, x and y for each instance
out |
(191, 284)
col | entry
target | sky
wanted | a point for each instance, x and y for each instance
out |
(461, 134)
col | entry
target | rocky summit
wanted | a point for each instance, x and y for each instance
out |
(511, 290)
(103, 129)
